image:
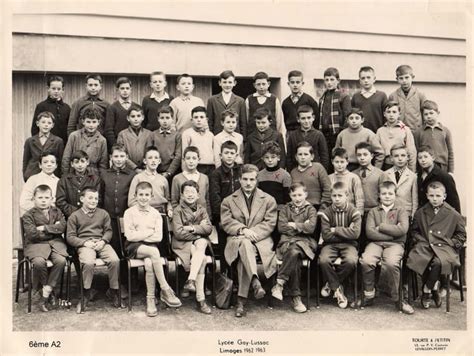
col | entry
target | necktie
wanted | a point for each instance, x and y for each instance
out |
(397, 176)
(126, 104)
(436, 210)
(295, 99)
(363, 173)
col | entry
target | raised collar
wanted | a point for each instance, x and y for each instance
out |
(438, 125)
(267, 94)
(161, 98)
(54, 101)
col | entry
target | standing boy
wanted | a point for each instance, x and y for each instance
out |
(225, 101)
(55, 105)
(158, 99)
(295, 100)
(229, 119)
(370, 100)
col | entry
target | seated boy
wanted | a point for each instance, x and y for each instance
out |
(306, 132)
(386, 231)
(438, 231)
(47, 165)
(71, 185)
(43, 228)
(43, 141)
(229, 120)
(341, 224)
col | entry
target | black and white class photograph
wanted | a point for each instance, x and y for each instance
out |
(252, 169)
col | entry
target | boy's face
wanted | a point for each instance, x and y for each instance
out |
(190, 195)
(339, 197)
(271, 160)
(339, 164)
(48, 164)
(248, 182)
(405, 81)
(191, 161)
(118, 158)
(229, 124)
(185, 86)
(227, 84)
(135, 118)
(199, 119)
(367, 79)
(152, 160)
(436, 196)
(331, 82)
(42, 200)
(90, 125)
(262, 124)
(355, 121)
(143, 197)
(364, 157)
(158, 83)
(400, 158)
(228, 156)
(298, 196)
(55, 90)
(392, 115)
(425, 160)
(296, 84)
(430, 116)
(387, 196)
(124, 90)
(90, 200)
(165, 120)
(261, 86)
(45, 124)
(304, 157)
(306, 120)
(93, 86)
(80, 165)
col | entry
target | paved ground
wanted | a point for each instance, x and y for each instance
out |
(102, 317)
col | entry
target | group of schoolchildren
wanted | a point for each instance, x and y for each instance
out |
(352, 177)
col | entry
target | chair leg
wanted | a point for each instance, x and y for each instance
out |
(30, 284)
(129, 278)
(61, 284)
(448, 294)
(317, 283)
(81, 285)
(308, 284)
(176, 275)
(400, 287)
(356, 298)
(461, 283)
(270, 297)
(19, 275)
(68, 284)
(214, 271)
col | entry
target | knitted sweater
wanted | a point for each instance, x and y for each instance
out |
(81, 227)
(372, 107)
(316, 181)
(346, 221)
(349, 138)
(440, 140)
(290, 111)
(410, 106)
(400, 134)
(352, 182)
(275, 182)
(315, 138)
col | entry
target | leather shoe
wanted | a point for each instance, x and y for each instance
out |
(425, 300)
(258, 291)
(239, 310)
(435, 295)
(42, 304)
(204, 308)
(406, 308)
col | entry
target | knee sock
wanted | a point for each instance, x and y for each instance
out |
(160, 275)
(150, 283)
(196, 260)
(200, 296)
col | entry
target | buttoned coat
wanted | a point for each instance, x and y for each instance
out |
(261, 220)
(436, 235)
(33, 150)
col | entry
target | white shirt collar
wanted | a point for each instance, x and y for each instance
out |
(267, 94)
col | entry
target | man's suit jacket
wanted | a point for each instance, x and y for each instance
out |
(216, 106)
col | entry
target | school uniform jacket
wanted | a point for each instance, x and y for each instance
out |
(222, 183)
(254, 147)
(261, 220)
(216, 106)
(33, 150)
(42, 243)
(407, 189)
(438, 175)
(61, 112)
(436, 235)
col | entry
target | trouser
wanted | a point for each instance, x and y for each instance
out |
(389, 254)
(331, 143)
(432, 273)
(40, 271)
(246, 266)
(87, 258)
(329, 254)
(290, 269)
(219, 251)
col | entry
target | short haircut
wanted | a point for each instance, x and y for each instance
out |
(151, 148)
(249, 168)
(261, 113)
(157, 73)
(189, 183)
(184, 75)
(166, 110)
(55, 78)
(339, 152)
(45, 114)
(261, 75)
(391, 104)
(95, 77)
(356, 111)
(88, 189)
(230, 145)
(331, 72)
(46, 154)
(398, 146)
(304, 109)
(79, 154)
(122, 80)
(118, 147)
(271, 147)
(436, 185)
(134, 107)
(427, 149)
(366, 69)
(388, 185)
(430, 105)
(295, 73)
(226, 74)
(142, 186)
(364, 145)
(191, 149)
(198, 109)
(339, 186)
(305, 144)
(229, 113)
(404, 69)
(91, 113)
(297, 185)
(42, 188)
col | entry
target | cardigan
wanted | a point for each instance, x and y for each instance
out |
(115, 121)
(27, 192)
(354, 188)
(370, 185)
(216, 106)
(315, 138)
(349, 138)
(254, 146)
(399, 134)
(316, 181)
(80, 105)
(410, 106)
(135, 145)
(151, 106)
(170, 148)
(116, 184)
(33, 149)
(372, 107)
(440, 140)
(61, 112)
(81, 227)
(290, 111)
(392, 225)
(203, 183)
(222, 183)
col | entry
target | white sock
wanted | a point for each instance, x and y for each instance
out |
(47, 291)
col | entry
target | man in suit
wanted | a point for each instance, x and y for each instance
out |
(249, 216)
